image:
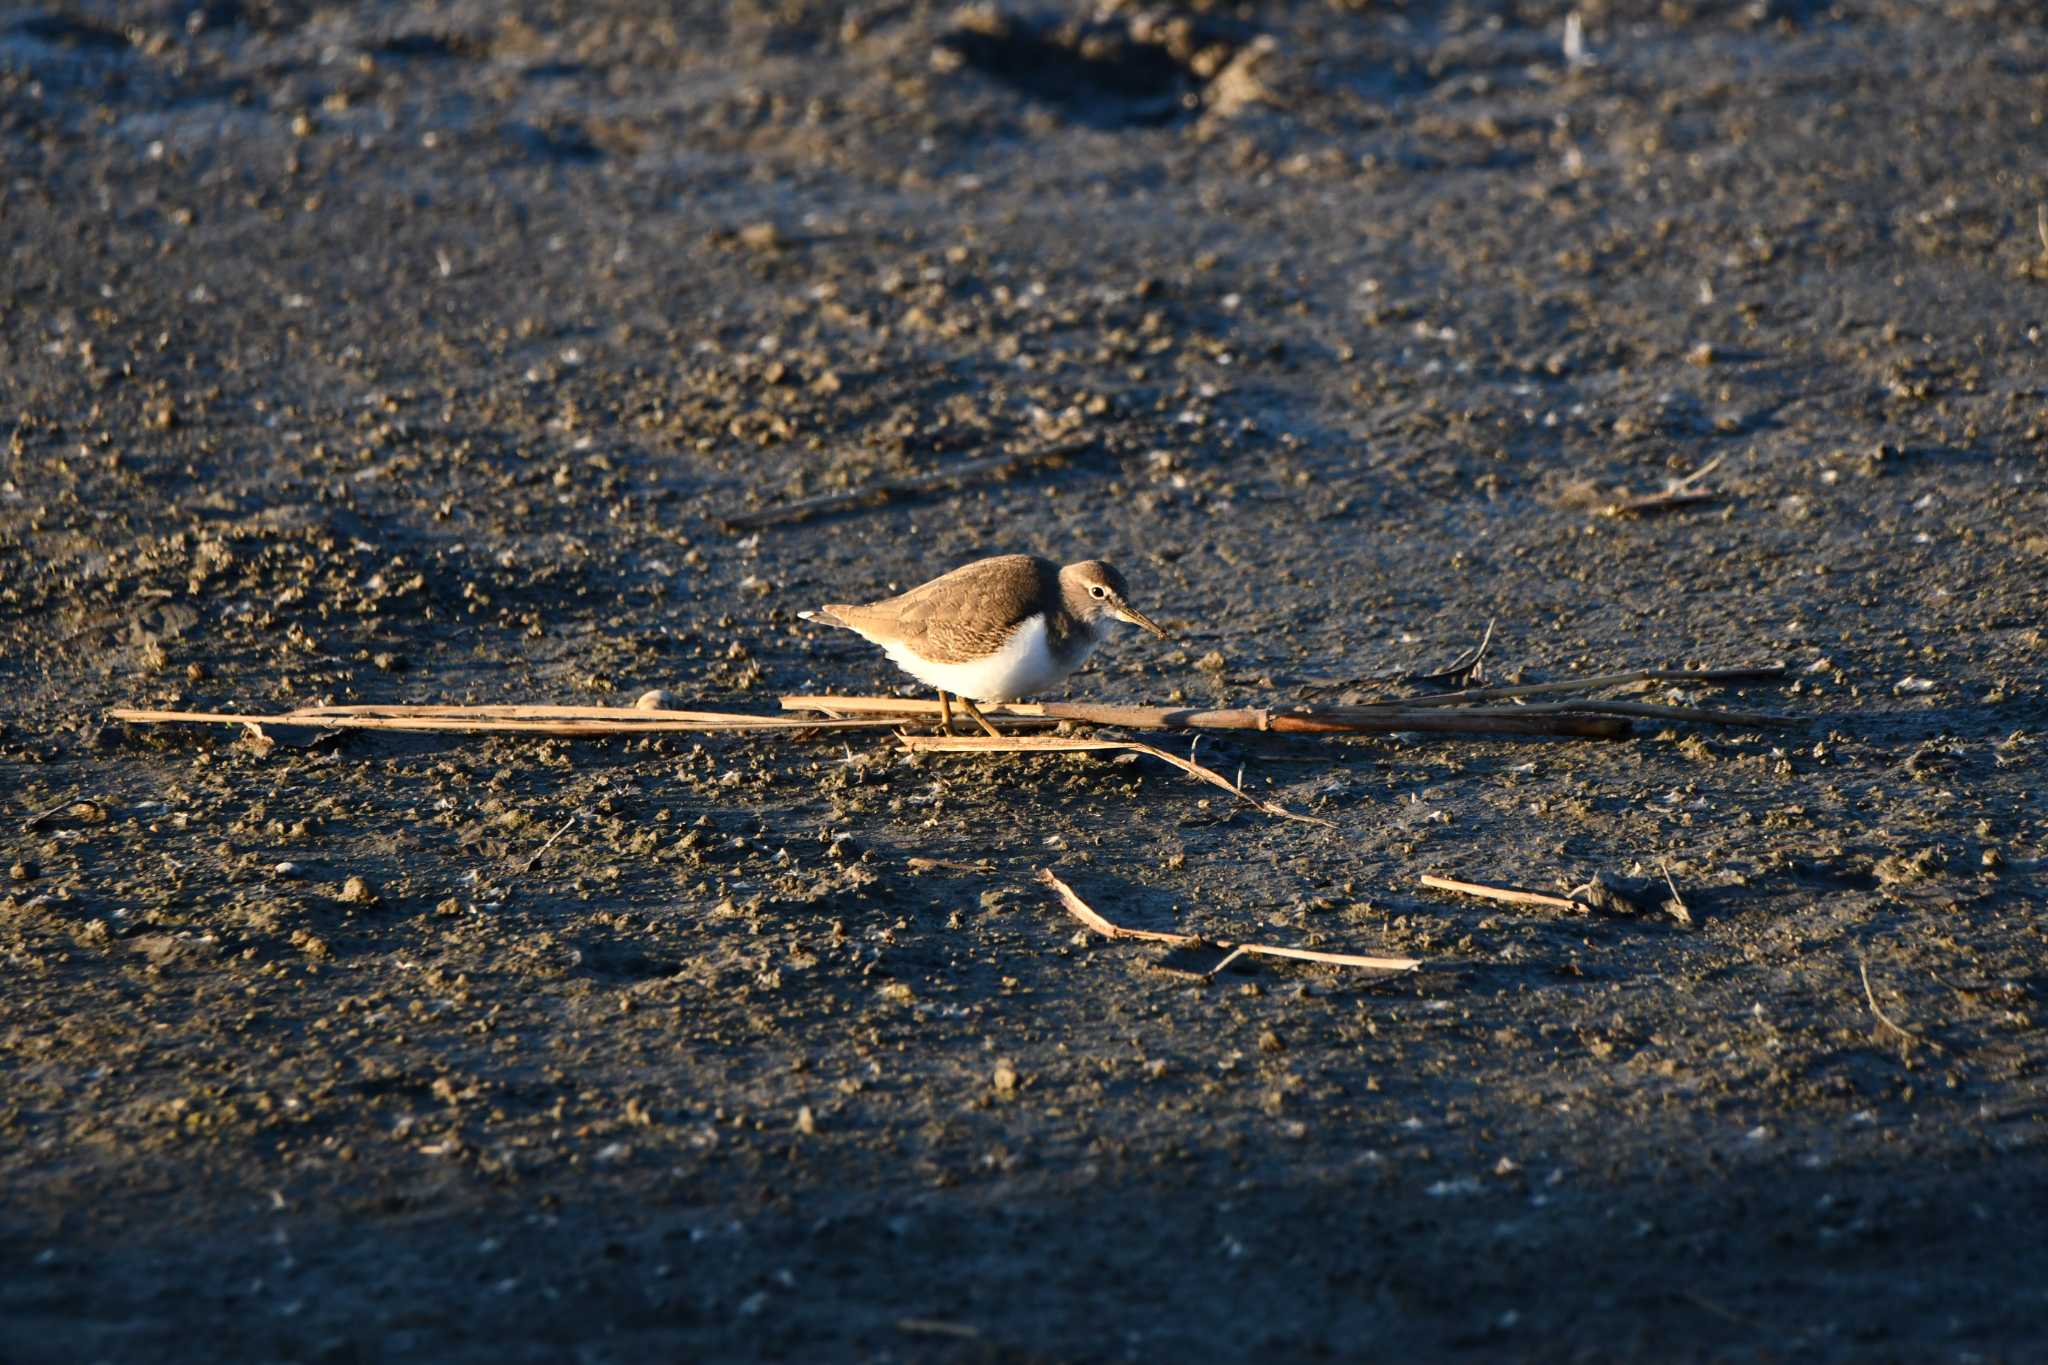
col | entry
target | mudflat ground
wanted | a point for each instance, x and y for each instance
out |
(415, 352)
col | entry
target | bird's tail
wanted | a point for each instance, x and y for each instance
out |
(825, 616)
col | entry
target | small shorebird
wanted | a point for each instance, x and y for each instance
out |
(994, 630)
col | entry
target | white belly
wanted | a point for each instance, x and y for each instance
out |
(1021, 667)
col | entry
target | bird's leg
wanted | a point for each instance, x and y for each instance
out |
(946, 712)
(980, 719)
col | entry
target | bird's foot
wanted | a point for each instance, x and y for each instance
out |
(980, 719)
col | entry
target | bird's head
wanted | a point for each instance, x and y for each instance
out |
(1094, 591)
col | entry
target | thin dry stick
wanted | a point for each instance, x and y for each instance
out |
(1675, 493)
(880, 713)
(528, 865)
(1717, 1310)
(1508, 894)
(1460, 671)
(522, 711)
(1059, 744)
(1325, 720)
(1580, 719)
(1702, 714)
(1863, 970)
(1089, 916)
(1233, 955)
(626, 716)
(1678, 910)
(1463, 668)
(935, 1327)
(1597, 682)
(1667, 501)
(882, 490)
(947, 865)
(559, 721)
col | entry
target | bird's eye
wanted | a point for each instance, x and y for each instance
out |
(1098, 591)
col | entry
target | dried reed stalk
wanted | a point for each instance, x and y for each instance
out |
(1089, 916)
(1064, 744)
(1507, 894)
(1318, 720)
(1596, 682)
(1770, 720)
(574, 722)
(1444, 713)
(1680, 492)
(1863, 971)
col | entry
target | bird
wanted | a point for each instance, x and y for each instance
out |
(995, 630)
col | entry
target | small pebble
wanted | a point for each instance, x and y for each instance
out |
(655, 699)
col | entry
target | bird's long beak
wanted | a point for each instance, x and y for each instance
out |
(1124, 612)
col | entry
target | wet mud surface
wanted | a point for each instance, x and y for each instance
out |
(413, 353)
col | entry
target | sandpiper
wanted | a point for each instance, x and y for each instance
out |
(994, 630)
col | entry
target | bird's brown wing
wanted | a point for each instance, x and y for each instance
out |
(957, 616)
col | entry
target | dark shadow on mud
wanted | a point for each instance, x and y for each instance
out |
(1469, 1259)
(1101, 74)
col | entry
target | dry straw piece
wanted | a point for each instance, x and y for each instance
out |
(1508, 895)
(1318, 720)
(576, 722)
(1574, 715)
(1578, 717)
(1091, 917)
(1679, 492)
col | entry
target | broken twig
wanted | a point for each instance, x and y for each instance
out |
(1462, 669)
(935, 1327)
(1507, 894)
(1446, 713)
(1458, 672)
(1089, 916)
(571, 722)
(1309, 720)
(529, 864)
(1863, 970)
(1679, 492)
(1676, 906)
(1702, 714)
(919, 866)
(1597, 682)
(1603, 893)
